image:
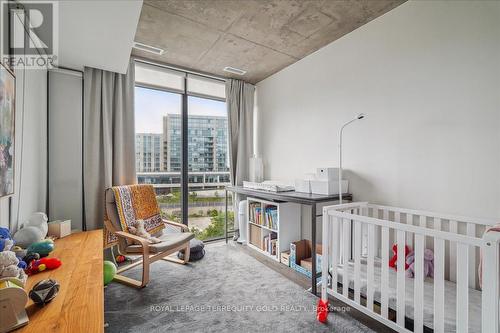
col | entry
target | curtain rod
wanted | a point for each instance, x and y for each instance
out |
(177, 68)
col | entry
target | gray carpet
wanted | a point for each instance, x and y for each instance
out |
(227, 291)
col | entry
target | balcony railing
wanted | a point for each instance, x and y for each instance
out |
(209, 179)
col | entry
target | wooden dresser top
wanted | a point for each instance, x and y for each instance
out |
(79, 306)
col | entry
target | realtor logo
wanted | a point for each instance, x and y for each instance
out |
(29, 34)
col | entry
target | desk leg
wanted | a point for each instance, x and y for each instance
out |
(225, 219)
(313, 248)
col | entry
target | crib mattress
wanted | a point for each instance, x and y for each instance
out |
(450, 296)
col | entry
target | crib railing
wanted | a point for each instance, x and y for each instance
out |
(473, 227)
(360, 231)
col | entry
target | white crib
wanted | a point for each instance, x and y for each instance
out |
(357, 244)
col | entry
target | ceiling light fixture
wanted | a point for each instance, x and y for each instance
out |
(148, 48)
(233, 70)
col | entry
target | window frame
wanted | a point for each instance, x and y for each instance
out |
(185, 74)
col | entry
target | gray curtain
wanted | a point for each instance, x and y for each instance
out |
(109, 137)
(240, 100)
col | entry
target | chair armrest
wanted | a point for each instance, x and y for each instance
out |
(175, 224)
(144, 242)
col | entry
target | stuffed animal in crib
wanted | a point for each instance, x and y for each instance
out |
(9, 266)
(139, 230)
(394, 259)
(428, 264)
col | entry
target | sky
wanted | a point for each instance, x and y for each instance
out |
(151, 105)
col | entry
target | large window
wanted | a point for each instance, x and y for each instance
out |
(167, 101)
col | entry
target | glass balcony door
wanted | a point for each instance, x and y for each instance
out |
(182, 146)
(208, 166)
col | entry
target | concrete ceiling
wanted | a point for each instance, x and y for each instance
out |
(259, 36)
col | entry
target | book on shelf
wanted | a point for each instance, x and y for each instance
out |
(267, 218)
(269, 243)
(255, 213)
(271, 215)
(273, 246)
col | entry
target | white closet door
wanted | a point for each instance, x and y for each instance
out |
(65, 147)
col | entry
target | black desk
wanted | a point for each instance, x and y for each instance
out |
(295, 197)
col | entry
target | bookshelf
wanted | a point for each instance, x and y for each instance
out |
(272, 226)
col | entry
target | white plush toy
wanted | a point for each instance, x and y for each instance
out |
(33, 230)
(8, 266)
(139, 230)
(40, 221)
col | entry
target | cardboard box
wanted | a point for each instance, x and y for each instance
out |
(306, 263)
(301, 250)
(59, 228)
(255, 236)
(285, 258)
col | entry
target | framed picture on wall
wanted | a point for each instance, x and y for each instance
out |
(7, 130)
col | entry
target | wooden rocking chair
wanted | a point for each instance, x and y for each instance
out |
(171, 243)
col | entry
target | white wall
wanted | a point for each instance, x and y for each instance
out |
(30, 161)
(30, 149)
(428, 75)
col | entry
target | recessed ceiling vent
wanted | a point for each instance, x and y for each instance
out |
(148, 48)
(233, 70)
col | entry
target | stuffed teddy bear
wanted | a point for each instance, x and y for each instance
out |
(139, 230)
(32, 231)
(38, 220)
(428, 264)
(8, 266)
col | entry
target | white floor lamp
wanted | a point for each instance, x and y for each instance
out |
(359, 117)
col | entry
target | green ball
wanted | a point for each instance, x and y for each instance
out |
(109, 271)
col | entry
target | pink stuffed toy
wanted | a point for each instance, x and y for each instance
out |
(428, 264)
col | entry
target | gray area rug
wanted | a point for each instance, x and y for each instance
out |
(227, 291)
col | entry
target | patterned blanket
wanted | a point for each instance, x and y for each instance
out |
(135, 202)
